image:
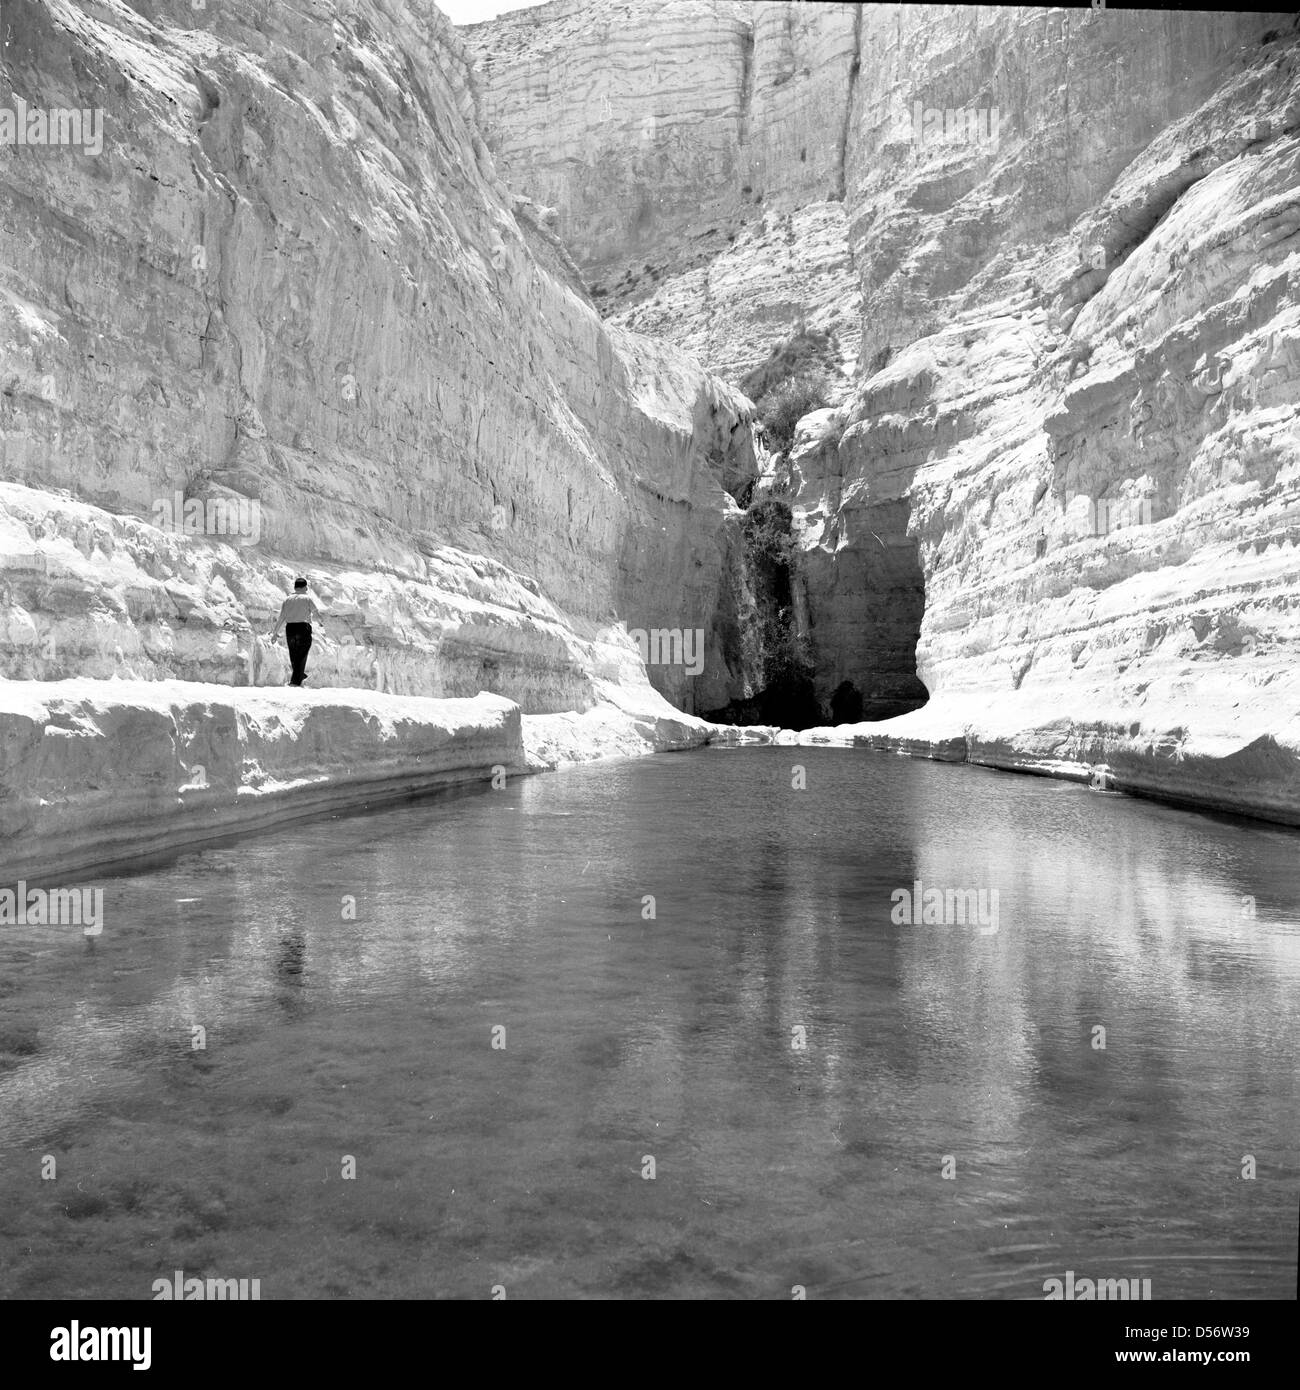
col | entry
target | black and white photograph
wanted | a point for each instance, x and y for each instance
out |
(649, 651)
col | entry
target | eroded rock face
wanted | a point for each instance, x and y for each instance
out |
(1063, 482)
(1088, 387)
(293, 278)
(1060, 487)
(694, 154)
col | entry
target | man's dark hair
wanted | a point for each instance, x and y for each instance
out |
(299, 583)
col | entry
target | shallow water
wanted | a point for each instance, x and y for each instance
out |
(927, 1047)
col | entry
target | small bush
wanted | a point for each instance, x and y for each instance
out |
(880, 359)
(793, 380)
(784, 406)
(767, 534)
(804, 353)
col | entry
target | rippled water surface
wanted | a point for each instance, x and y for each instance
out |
(926, 1047)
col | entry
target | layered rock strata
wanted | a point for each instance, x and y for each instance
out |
(1062, 495)
(1086, 422)
(1063, 487)
(292, 291)
(693, 155)
(93, 772)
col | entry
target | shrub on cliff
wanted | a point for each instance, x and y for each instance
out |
(793, 380)
(835, 430)
(768, 539)
(785, 663)
(783, 407)
(807, 352)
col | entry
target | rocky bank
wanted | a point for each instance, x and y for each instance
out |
(96, 771)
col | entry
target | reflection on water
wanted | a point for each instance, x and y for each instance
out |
(801, 1070)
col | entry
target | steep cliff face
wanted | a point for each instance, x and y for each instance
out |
(1064, 481)
(292, 288)
(1084, 423)
(694, 155)
(1057, 486)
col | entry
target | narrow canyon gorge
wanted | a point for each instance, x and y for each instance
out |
(532, 543)
(1053, 486)
(938, 367)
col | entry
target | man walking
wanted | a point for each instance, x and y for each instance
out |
(297, 613)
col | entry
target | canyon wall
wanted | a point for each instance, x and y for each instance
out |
(286, 285)
(1062, 487)
(693, 154)
(1086, 338)
(1054, 487)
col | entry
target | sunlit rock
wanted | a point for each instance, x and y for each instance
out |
(95, 771)
(292, 283)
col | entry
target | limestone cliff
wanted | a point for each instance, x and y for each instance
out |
(694, 154)
(1083, 426)
(291, 283)
(1051, 254)
(1063, 487)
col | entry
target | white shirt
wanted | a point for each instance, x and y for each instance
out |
(298, 608)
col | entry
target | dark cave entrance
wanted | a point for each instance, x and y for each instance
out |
(825, 638)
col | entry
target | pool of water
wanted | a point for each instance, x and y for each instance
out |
(466, 1002)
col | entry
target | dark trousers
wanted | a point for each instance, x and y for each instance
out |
(298, 636)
